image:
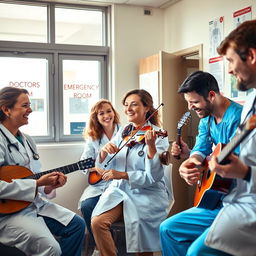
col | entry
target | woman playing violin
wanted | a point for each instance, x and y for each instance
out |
(138, 193)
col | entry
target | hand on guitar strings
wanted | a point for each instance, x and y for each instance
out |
(190, 170)
(234, 169)
(52, 181)
(110, 174)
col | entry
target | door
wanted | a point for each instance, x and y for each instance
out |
(171, 70)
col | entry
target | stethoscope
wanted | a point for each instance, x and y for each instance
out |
(9, 145)
(209, 138)
(252, 110)
(140, 152)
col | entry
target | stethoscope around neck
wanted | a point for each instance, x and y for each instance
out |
(9, 145)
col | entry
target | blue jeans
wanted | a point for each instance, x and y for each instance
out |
(185, 233)
(70, 237)
(87, 207)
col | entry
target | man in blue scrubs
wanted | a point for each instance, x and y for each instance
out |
(185, 232)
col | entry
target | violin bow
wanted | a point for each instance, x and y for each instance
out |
(133, 135)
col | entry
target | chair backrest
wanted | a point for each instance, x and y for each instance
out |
(168, 181)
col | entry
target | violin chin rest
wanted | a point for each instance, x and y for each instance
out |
(165, 157)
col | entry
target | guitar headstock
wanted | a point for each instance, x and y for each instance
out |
(184, 120)
(251, 123)
(86, 163)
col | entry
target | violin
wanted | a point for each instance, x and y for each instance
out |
(131, 138)
(127, 132)
(138, 137)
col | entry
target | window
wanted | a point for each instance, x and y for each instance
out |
(62, 65)
(74, 26)
(19, 20)
(32, 74)
(81, 89)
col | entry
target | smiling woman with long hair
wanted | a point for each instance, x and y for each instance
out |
(34, 228)
(137, 193)
(102, 126)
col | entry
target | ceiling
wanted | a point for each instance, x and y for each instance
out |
(145, 3)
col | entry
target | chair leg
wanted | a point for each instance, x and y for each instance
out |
(86, 246)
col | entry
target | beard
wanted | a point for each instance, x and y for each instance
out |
(248, 81)
(207, 110)
(242, 86)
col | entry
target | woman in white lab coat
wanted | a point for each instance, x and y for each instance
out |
(102, 126)
(138, 192)
(34, 228)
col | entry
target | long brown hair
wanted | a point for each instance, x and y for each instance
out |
(147, 101)
(8, 98)
(94, 129)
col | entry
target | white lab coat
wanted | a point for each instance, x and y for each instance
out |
(92, 149)
(234, 229)
(145, 195)
(25, 189)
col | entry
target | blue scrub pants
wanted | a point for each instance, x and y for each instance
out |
(185, 233)
(70, 237)
(87, 207)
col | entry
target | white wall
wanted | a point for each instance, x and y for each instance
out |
(135, 36)
(186, 23)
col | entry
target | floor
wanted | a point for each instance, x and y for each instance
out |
(119, 238)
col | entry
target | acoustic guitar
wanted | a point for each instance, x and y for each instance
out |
(209, 180)
(183, 121)
(10, 172)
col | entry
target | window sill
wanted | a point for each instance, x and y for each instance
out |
(60, 145)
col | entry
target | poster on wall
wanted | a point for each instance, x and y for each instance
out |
(216, 28)
(216, 68)
(239, 17)
(242, 15)
(216, 64)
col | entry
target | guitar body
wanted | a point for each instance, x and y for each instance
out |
(10, 172)
(94, 178)
(209, 183)
(7, 173)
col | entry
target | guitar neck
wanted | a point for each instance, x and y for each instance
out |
(178, 137)
(230, 147)
(64, 169)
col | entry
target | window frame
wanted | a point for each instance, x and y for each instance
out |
(12, 48)
(103, 92)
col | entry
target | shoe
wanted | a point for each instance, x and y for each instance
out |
(96, 253)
